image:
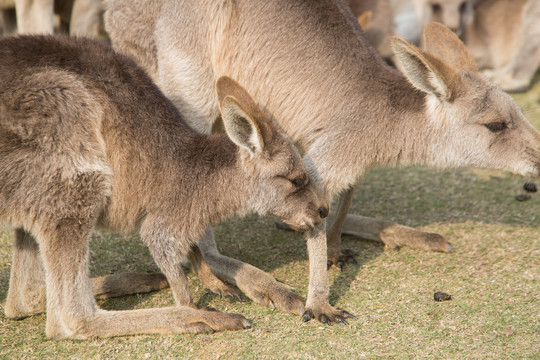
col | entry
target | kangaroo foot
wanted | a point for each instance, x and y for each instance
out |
(222, 289)
(393, 235)
(397, 236)
(277, 296)
(327, 314)
(343, 256)
(122, 284)
(219, 321)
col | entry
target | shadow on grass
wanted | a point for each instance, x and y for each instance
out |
(282, 253)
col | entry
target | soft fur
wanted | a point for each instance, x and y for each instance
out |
(310, 65)
(87, 139)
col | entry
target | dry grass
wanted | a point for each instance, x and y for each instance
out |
(493, 277)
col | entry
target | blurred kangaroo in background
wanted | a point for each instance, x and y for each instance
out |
(456, 14)
(87, 139)
(504, 39)
(503, 36)
(312, 68)
(77, 17)
(376, 19)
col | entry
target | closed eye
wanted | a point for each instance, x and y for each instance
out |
(299, 182)
(496, 126)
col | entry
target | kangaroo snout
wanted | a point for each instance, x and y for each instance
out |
(323, 211)
(308, 220)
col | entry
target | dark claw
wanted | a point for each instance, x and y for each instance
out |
(209, 308)
(328, 265)
(354, 261)
(343, 321)
(324, 319)
(349, 252)
(341, 266)
(349, 315)
(308, 315)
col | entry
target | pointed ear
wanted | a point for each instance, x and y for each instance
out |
(243, 120)
(425, 71)
(442, 42)
(241, 128)
(364, 19)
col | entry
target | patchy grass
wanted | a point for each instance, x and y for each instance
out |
(493, 278)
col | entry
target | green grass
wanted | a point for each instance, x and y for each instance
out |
(493, 277)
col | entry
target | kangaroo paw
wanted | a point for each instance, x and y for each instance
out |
(327, 315)
(277, 296)
(223, 289)
(343, 256)
(219, 321)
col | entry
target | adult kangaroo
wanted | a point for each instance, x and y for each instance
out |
(87, 139)
(311, 67)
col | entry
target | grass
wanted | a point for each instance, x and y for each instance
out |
(493, 277)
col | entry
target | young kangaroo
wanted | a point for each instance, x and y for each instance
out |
(339, 102)
(87, 139)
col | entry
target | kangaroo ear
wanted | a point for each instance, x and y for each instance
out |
(364, 19)
(241, 128)
(243, 120)
(425, 71)
(440, 41)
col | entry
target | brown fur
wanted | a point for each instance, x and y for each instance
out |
(87, 139)
(335, 97)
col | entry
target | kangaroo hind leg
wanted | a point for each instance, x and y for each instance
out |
(26, 294)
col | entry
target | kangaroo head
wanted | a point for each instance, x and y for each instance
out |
(456, 14)
(473, 122)
(277, 179)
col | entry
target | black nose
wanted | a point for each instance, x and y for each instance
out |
(323, 211)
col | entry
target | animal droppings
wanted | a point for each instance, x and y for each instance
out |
(523, 197)
(440, 296)
(530, 187)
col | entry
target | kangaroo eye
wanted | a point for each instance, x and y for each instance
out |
(298, 182)
(496, 126)
(436, 8)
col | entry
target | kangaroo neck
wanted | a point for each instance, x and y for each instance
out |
(215, 179)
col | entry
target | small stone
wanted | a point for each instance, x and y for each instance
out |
(440, 296)
(523, 197)
(530, 187)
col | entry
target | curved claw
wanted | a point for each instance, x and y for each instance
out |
(347, 314)
(308, 315)
(328, 316)
(345, 257)
(324, 319)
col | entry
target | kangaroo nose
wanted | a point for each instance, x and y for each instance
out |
(323, 211)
